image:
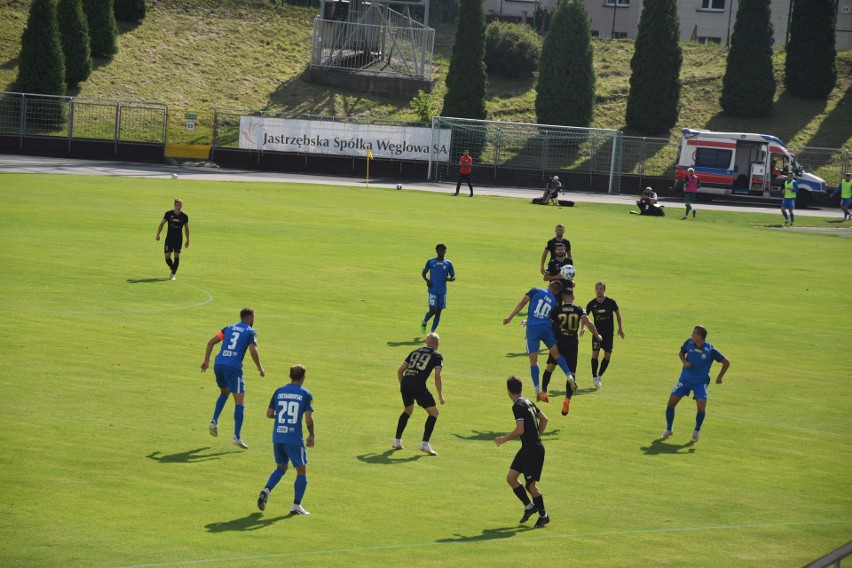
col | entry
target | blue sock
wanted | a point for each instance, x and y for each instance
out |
(699, 420)
(669, 418)
(534, 374)
(427, 317)
(785, 215)
(238, 419)
(220, 406)
(436, 322)
(300, 485)
(791, 216)
(274, 478)
(563, 364)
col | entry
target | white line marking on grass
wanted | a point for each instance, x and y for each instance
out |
(209, 299)
(500, 538)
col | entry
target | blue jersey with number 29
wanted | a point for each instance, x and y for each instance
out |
(542, 302)
(289, 404)
(235, 340)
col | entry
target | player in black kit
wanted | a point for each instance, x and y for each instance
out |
(530, 422)
(566, 323)
(177, 220)
(412, 375)
(602, 309)
(560, 259)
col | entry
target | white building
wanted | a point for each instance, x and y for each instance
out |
(705, 21)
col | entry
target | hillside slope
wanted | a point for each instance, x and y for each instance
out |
(247, 54)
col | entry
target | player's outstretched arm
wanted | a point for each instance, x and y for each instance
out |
(256, 358)
(518, 431)
(585, 321)
(517, 309)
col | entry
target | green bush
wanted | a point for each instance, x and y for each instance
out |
(102, 28)
(511, 50)
(748, 87)
(74, 33)
(810, 69)
(42, 66)
(467, 80)
(129, 10)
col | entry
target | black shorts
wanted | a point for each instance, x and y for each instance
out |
(606, 344)
(412, 390)
(172, 246)
(530, 462)
(567, 346)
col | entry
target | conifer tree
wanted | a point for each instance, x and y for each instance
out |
(42, 67)
(654, 100)
(74, 35)
(810, 69)
(102, 27)
(565, 93)
(466, 79)
(748, 87)
(130, 10)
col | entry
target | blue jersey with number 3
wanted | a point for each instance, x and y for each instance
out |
(235, 340)
(289, 404)
(542, 302)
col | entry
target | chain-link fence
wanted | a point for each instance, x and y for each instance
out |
(828, 163)
(527, 155)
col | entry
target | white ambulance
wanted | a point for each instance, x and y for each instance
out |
(741, 163)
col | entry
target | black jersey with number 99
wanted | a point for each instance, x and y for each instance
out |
(421, 362)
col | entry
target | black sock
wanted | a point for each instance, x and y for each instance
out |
(175, 265)
(568, 391)
(522, 494)
(430, 425)
(539, 504)
(169, 262)
(594, 367)
(604, 365)
(400, 425)
(545, 380)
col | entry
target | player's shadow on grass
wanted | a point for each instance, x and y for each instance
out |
(479, 436)
(385, 458)
(189, 456)
(252, 522)
(146, 280)
(487, 534)
(414, 341)
(658, 447)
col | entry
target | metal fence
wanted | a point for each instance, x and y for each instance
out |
(81, 118)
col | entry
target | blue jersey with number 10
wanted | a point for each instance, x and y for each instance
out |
(289, 404)
(542, 302)
(235, 340)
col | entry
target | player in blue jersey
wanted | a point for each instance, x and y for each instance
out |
(289, 404)
(539, 329)
(697, 355)
(228, 367)
(440, 271)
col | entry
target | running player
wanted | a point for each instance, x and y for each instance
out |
(228, 368)
(412, 375)
(542, 302)
(530, 423)
(289, 404)
(566, 322)
(602, 309)
(697, 357)
(440, 271)
(177, 220)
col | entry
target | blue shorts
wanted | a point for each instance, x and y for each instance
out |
(844, 203)
(229, 378)
(294, 453)
(699, 391)
(537, 334)
(437, 301)
(788, 203)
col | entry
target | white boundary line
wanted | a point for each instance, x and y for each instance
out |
(502, 538)
(209, 299)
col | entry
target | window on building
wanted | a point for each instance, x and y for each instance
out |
(708, 40)
(713, 158)
(617, 3)
(712, 4)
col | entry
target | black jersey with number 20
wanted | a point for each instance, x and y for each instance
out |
(421, 362)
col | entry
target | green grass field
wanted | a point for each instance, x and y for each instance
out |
(107, 461)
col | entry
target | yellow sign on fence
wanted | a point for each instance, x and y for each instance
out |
(189, 134)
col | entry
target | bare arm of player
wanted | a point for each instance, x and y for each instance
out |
(401, 371)
(206, 363)
(544, 258)
(270, 413)
(618, 318)
(256, 358)
(542, 423)
(517, 309)
(439, 385)
(518, 431)
(585, 321)
(160, 228)
(723, 370)
(309, 423)
(186, 231)
(686, 364)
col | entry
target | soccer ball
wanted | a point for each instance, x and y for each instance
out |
(399, 186)
(567, 272)
(174, 176)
